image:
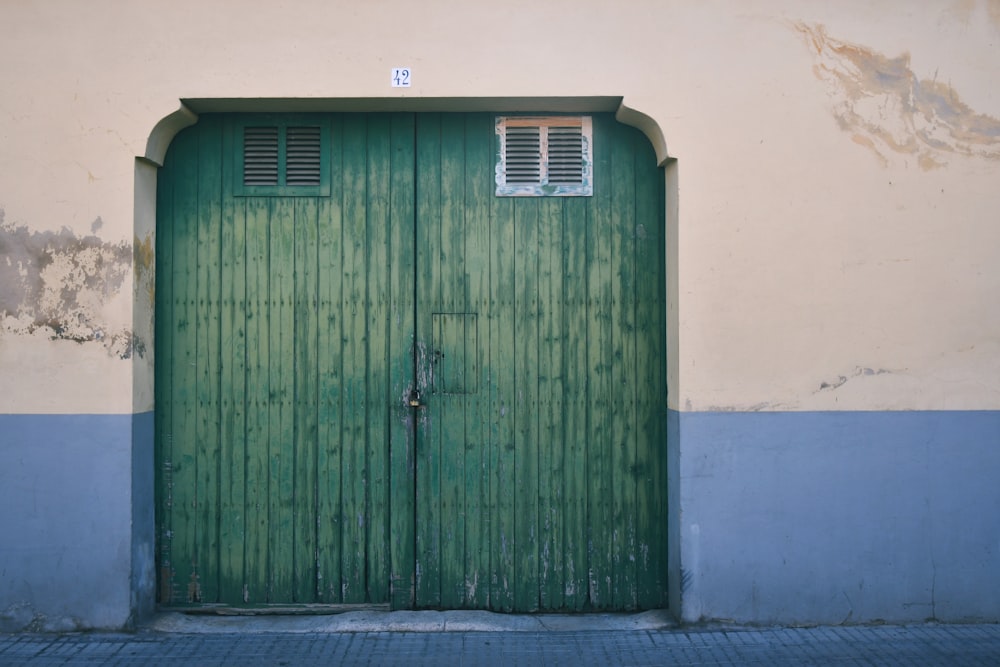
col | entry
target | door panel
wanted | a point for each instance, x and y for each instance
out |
(277, 399)
(540, 486)
(293, 332)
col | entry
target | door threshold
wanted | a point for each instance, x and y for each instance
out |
(277, 609)
(175, 620)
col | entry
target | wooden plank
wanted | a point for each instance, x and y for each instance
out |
(599, 354)
(550, 405)
(258, 415)
(526, 406)
(479, 138)
(281, 381)
(306, 400)
(651, 522)
(450, 407)
(428, 458)
(330, 338)
(354, 473)
(232, 470)
(209, 204)
(501, 366)
(184, 463)
(401, 268)
(624, 372)
(377, 310)
(576, 221)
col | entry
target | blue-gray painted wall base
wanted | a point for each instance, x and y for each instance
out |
(837, 517)
(143, 586)
(776, 518)
(66, 521)
(674, 583)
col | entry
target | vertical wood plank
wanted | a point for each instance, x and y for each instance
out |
(599, 341)
(478, 517)
(576, 222)
(354, 472)
(208, 354)
(624, 373)
(232, 527)
(184, 428)
(526, 406)
(281, 377)
(651, 522)
(550, 404)
(451, 407)
(305, 400)
(258, 414)
(503, 490)
(401, 349)
(428, 458)
(330, 338)
(377, 351)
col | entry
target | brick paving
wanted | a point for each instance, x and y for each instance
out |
(913, 646)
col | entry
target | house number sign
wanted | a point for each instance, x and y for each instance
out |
(400, 77)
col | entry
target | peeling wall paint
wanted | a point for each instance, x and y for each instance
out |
(144, 256)
(841, 380)
(58, 284)
(22, 617)
(892, 112)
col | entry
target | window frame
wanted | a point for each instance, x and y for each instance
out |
(543, 188)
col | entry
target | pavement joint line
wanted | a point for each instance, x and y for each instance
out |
(550, 643)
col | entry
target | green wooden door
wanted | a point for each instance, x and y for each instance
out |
(296, 325)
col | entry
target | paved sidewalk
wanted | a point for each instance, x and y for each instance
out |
(915, 645)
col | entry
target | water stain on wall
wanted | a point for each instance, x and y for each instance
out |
(890, 111)
(965, 11)
(57, 284)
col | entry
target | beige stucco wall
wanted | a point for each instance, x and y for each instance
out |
(837, 235)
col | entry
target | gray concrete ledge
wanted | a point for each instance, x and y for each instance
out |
(409, 621)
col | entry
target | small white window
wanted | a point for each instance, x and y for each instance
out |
(544, 156)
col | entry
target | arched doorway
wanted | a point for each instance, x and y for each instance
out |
(377, 382)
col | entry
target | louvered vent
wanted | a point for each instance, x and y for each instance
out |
(524, 155)
(260, 155)
(302, 156)
(282, 157)
(565, 155)
(548, 156)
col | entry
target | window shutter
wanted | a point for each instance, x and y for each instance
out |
(260, 155)
(302, 161)
(544, 156)
(523, 155)
(565, 155)
(283, 158)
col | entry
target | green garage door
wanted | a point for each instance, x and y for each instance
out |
(379, 382)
